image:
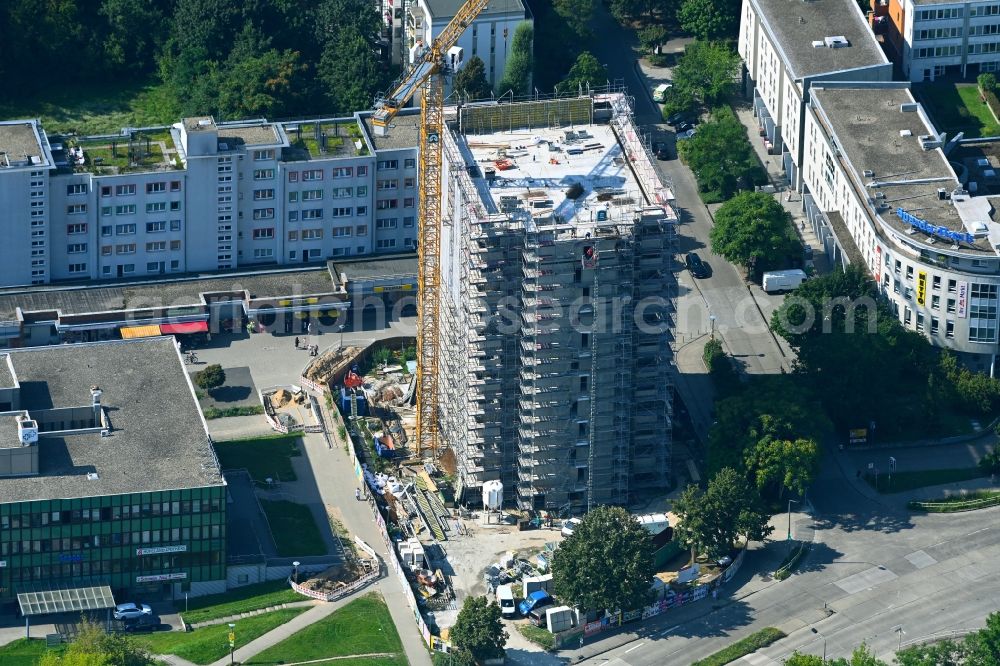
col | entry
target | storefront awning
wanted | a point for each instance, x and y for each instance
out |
(65, 600)
(129, 332)
(185, 327)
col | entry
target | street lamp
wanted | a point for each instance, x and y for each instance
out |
(232, 643)
(899, 631)
(790, 502)
(711, 318)
(813, 629)
(341, 329)
(295, 575)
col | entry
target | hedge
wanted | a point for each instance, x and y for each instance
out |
(247, 410)
(749, 645)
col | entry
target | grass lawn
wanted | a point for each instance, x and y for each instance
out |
(903, 481)
(203, 646)
(952, 424)
(293, 528)
(24, 652)
(536, 635)
(264, 457)
(957, 107)
(363, 626)
(395, 660)
(748, 645)
(240, 600)
(92, 108)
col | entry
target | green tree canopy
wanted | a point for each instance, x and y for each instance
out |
(517, 74)
(711, 521)
(783, 464)
(347, 68)
(586, 72)
(752, 229)
(652, 36)
(708, 20)
(93, 647)
(705, 74)
(607, 563)
(479, 629)
(213, 376)
(721, 157)
(471, 80)
(576, 14)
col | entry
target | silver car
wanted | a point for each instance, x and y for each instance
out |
(131, 611)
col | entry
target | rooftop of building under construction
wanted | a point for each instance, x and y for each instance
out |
(571, 178)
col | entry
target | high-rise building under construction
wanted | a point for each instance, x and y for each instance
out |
(556, 305)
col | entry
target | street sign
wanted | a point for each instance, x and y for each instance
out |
(232, 636)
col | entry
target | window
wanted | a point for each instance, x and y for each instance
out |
(951, 286)
(388, 223)
(175, 225)
(909, 272)
(124, 229)
(907, 315)
(293, 235)
(936, 282)
(408, 202)
(107, 230)
(408, 243)
(312, 214)
(409, 182)
(362, 210)
(362, 190)
(409, 221)
(263, 195)
(293, 197)
(386, 184)
(386, 204)
(293, 176)
(154, 188)
(79, 228)
(340, 251)
(78, 188)
(950, 306)
(343, 192)
(388, 164)
(363, 170)
(78, 268)
(343, 172)
(128, 209)
(949, 328)
(105, 211)
(410, 163)
(175, 186)
(259, 155)
(127, 248)
(935, 302)
(263, 252)
(106, 270)
(175, 245)
(261, 234)
(128, 268)
(386, 243)
(293, 255)
(338, 232)
(341, 212)
(293, 216)
(156, 246)
(312, 234)
(935, 325)
(106, 191)
(76, 209)
(153, 266)
(263, 174)
(125, 190)
(76, 248)
(312, 195)
(263, 213)
(175, 264)
(361, 230)
(986, 10)
(314, 253)
(156, 207)
(175, 206)
(312, 174)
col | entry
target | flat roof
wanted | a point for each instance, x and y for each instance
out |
(378, 268)
(404, 132)
(159, 440)
(304, 139)
(545, 163)
(20, 141)
(262, 134)
(446, 9)
(796, 24)
(876, 138)
(82, 299)
(199, 123)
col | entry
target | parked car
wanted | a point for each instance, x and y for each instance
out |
(686, 135)
(683, 126)
(698, 268)
(130, 611)
(505, 599)
(660, 92)
(807, 251)
(679, 117)
(662, 152)
(140, 624)
(537, 599)
(570, 526)
(537, 616)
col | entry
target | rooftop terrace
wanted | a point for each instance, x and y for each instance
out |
(141, 151)
(575, 177)
(158, 439)
(882, 146)
(323, 139)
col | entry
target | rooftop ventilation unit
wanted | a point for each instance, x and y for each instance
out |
(837, 42)
(868, 173)
(92, 476)
(818, 44)
(905, 132)
(942, 193)
(909, 107)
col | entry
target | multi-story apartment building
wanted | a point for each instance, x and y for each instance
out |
(556, 305)
(107, 473)
(932, 39)
(489, 36)
(203, 196)
(880, 191)
(789, 45)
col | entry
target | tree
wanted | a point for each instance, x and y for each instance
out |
(785, 464)
(652, 36)
(517, 74)
(708, 20)
(471, 80)
(799, 659)
(93, 647)
(705, 74)
(350, 72)
(576, 14)
(984, 645)
(721, 157)
(257, 80)
(586, 72)
(711, 521)
(944, 653)
(987, 82)
(754, 231)
(607, 563)
(479, 630)
(213, 376)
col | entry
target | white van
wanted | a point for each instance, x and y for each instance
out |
(505, 598)
(775, 281)
(660, 92)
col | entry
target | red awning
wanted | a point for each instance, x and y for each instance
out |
(187, 327)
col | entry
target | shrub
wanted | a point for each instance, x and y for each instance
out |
(246, 410)
(749, 645)
(987, 82)
(211, 377)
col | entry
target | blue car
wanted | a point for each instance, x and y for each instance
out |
(535, 600)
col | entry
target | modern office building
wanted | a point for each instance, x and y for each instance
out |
(489, 36)
(107, 473)
(203, 196)
(881, 191)
(557, 304)
(789, 45)
(929, 40)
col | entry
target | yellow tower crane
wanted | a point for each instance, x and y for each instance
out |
(426, 74)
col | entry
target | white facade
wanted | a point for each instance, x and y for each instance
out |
(949, 38)
(489, 36)
(224, 196)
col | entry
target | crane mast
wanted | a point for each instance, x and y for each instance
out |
(427, 74)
